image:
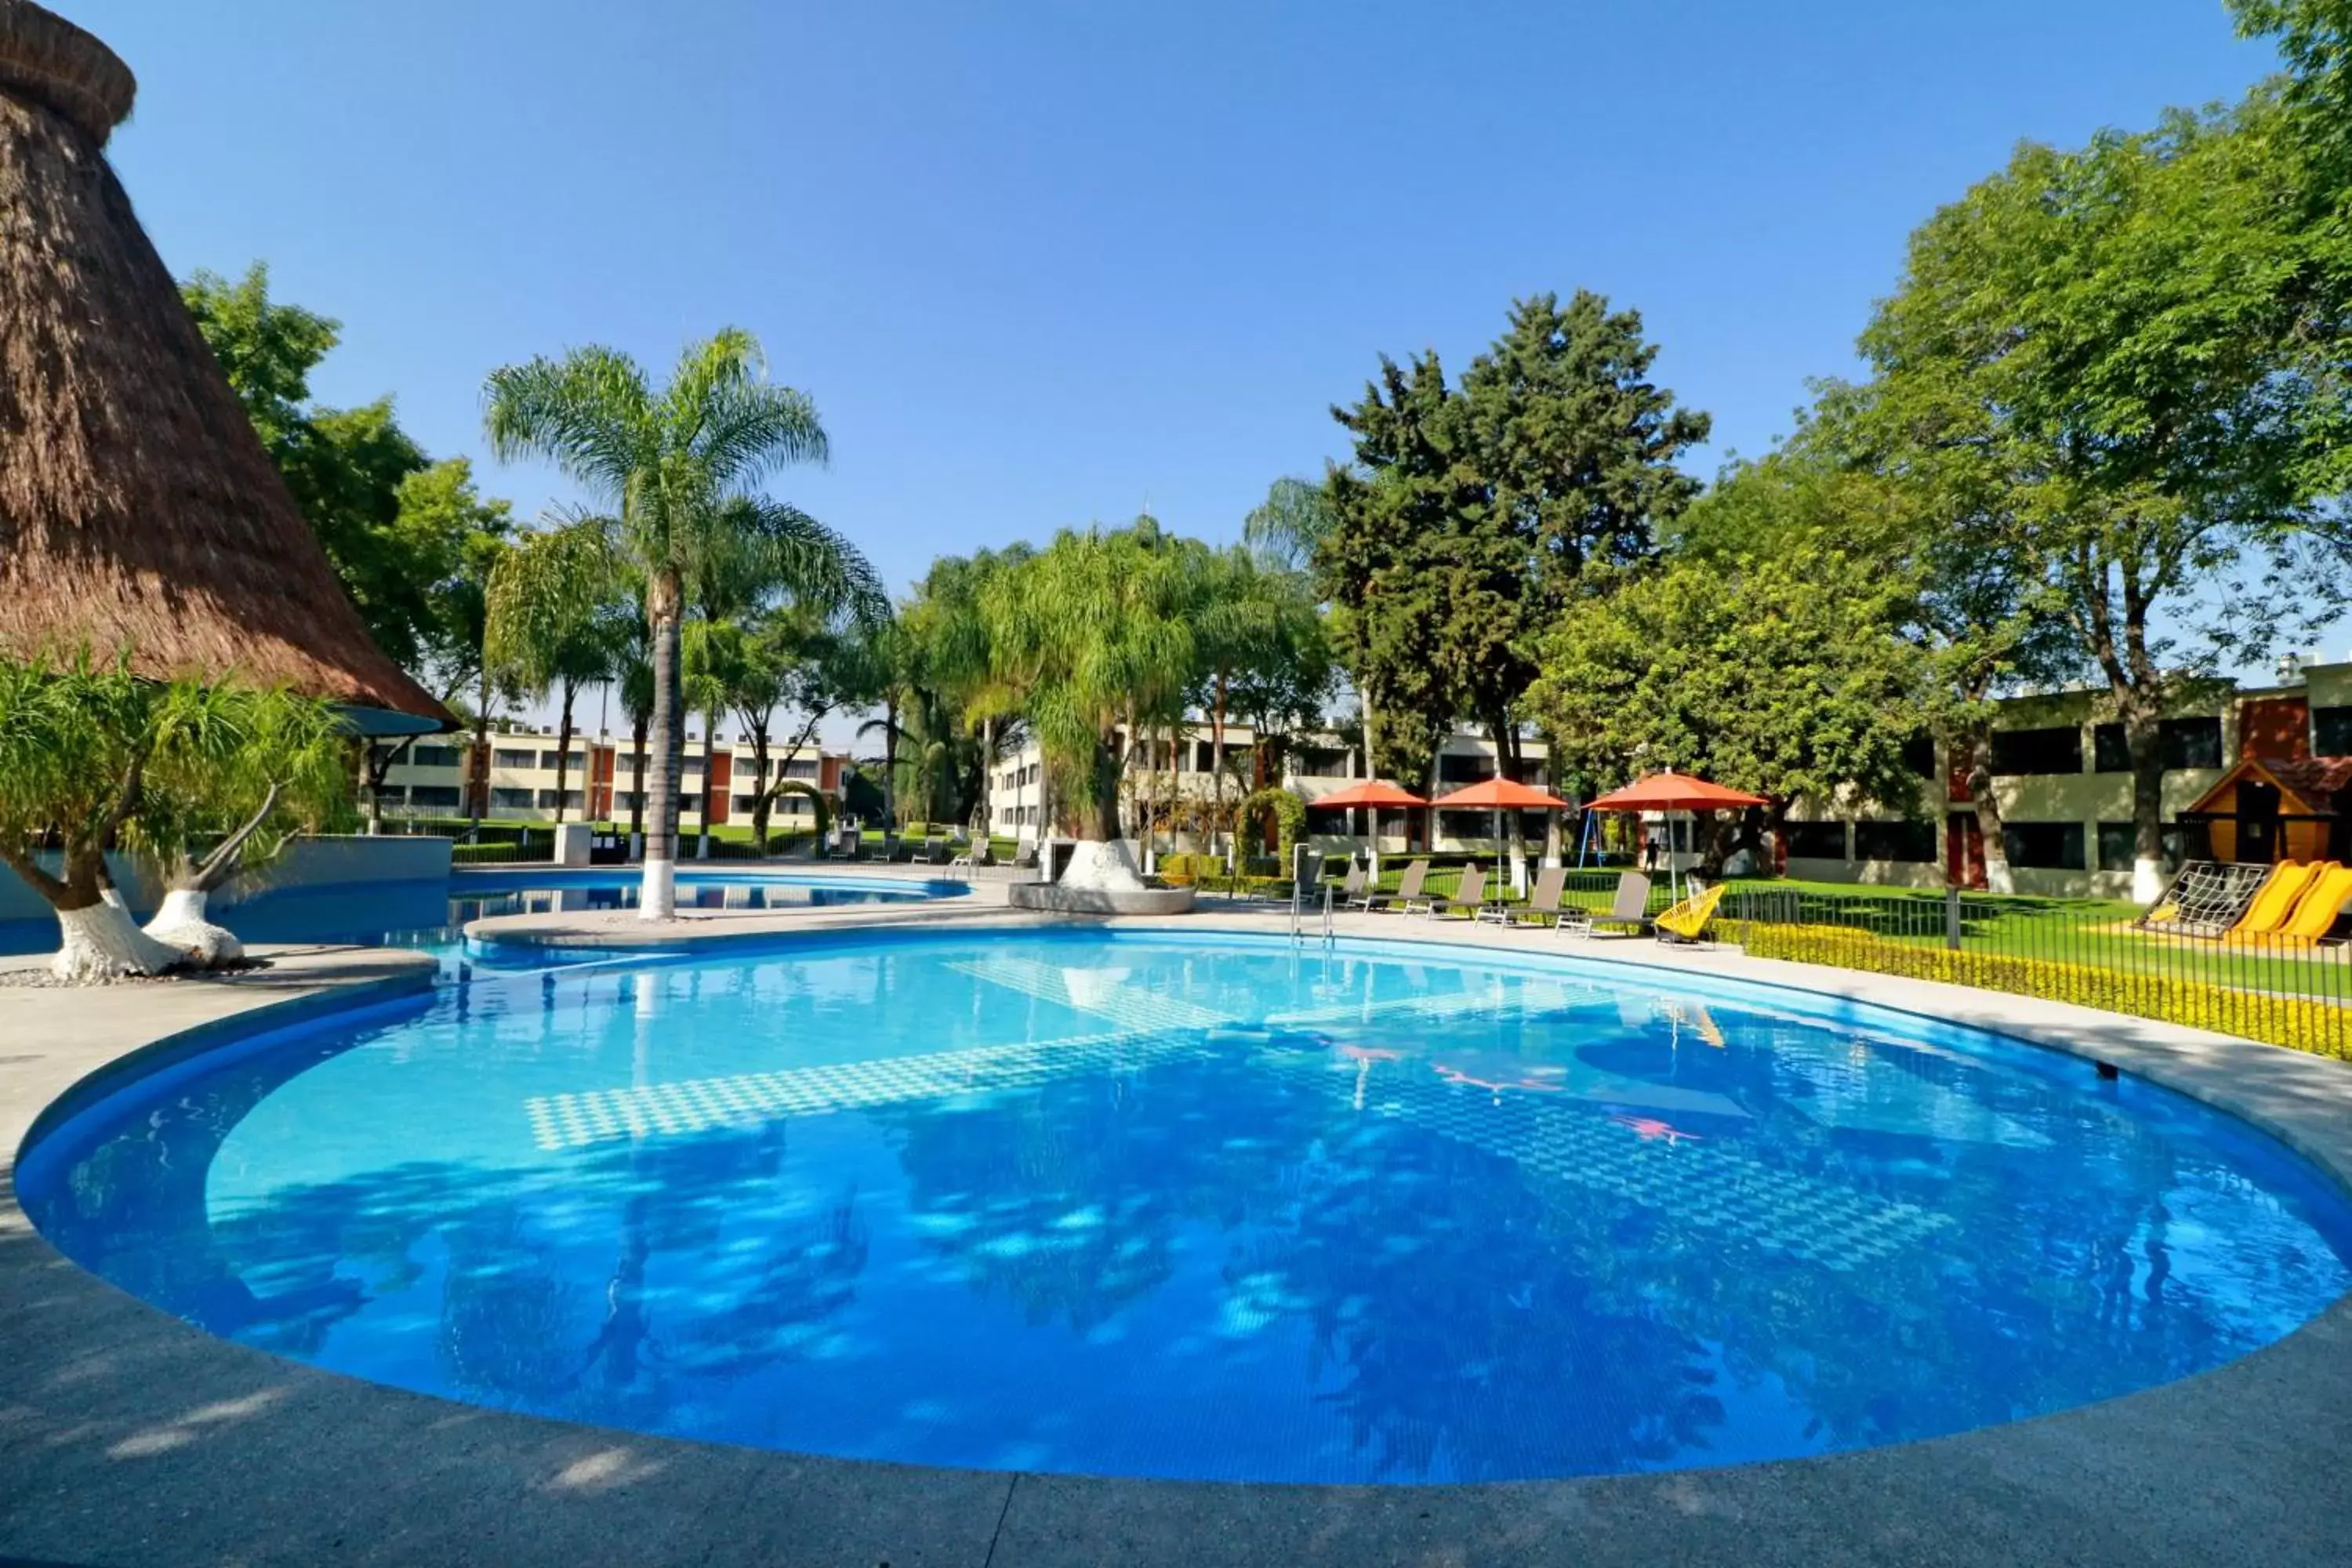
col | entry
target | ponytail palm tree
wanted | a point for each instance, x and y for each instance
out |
(679, 468)
(1097, 629)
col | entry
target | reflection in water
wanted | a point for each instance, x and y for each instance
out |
(1207, 1211)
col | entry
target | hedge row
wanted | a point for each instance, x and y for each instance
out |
(2302, 1023)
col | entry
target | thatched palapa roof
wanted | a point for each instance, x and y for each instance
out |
(138, 508)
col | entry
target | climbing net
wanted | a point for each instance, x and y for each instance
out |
(2206, 899)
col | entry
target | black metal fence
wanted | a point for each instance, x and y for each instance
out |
(2290, 991)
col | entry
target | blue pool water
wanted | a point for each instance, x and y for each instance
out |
(1205, 1208)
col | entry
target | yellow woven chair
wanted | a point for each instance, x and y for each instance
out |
(1687, 921)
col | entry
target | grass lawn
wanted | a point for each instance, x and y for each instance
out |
(2095, 932)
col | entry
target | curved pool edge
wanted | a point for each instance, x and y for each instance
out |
(133, 1436)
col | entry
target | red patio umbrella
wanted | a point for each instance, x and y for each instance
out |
(1673, 792)
(1374, 794)
(1499, 794)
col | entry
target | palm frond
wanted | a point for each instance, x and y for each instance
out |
(587, 413)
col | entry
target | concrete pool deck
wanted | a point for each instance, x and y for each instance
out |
(126, 1437)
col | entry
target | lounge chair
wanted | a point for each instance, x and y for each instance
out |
(1469, 894)
(1686, 922)
(901, 852)
(1352, 889)
(1408, 890)
(1542, 907)
(935, 852)
(1631, 908)
(1024, 855)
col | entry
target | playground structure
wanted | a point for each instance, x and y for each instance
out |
(2295, 903)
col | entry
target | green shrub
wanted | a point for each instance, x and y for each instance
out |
(2301, 1023)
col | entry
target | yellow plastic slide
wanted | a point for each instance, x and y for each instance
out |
(2320, 906)
(2276, 900)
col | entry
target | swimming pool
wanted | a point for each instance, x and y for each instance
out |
(1202, 1207)
(432, 916)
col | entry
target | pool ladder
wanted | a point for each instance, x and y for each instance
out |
(1298, 926)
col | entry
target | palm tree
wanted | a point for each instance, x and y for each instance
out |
(947, 619)
(1095, 629)
(553, 621)
(679, 467)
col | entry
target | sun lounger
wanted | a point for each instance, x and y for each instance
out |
(935, 852)
(1352, 888)
(1630, 907)
(1024, 855)
(1542, 907)
(1469, 894)
(1408, 890)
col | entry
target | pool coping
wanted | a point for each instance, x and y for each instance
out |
(127, 1436)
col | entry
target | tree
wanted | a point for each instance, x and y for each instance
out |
(669, 464)
(344, 467)
(2119, 334)
(1853, 482)
(947, 619)
(1264, 650)
(471, 534)
(1473, 515)
(244, 771)
(1782, 675)
(554, 621)
(1409, 484)
(1094, 630)
(97, 757)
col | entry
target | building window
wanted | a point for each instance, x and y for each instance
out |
(547, 800)
(1323, 762)
(510, 800)
(2110, 753)
(1464, 824)
(1327, 819)
(1919, 756)
(1457, 769)
(1816, 840)
(2117, 841)
(2191, 743)
(433, 795)
(745, 803)
(2056, 750)
(627, 802)
(550, 759)
(2045, 846)
(1906, 843)
(433, 756)
(2331, 731)
(800, 768)
(505, 758)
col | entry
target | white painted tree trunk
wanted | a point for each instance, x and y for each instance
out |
(101, 944)
(658, 898)
(2147, 881)
(1999, 879)
(180, 924)
(1109, 867)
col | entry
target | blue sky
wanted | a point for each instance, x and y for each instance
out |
(1041, 264)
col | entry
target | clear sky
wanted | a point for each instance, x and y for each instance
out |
(1041, 264)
